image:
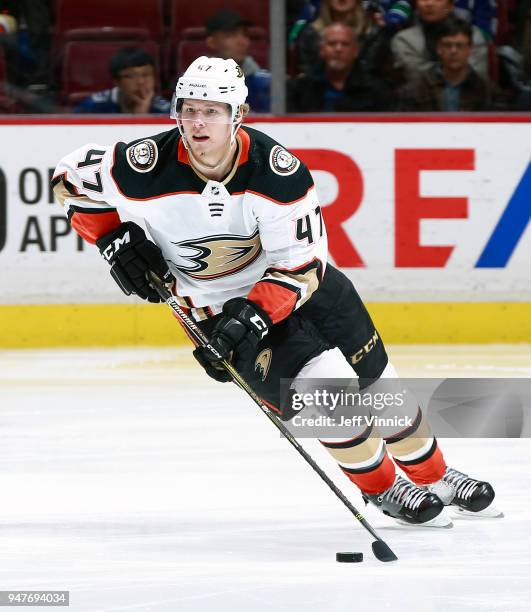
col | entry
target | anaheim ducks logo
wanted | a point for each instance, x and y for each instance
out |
(143, 156)
(262, 363)
(217, 256)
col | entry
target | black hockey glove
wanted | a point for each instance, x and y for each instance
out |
(131, 254)
(235, 337)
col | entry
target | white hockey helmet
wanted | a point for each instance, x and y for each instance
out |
(214, 79)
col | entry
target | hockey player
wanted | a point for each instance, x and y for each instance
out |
(236, 228)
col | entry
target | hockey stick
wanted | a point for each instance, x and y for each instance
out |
(380, 549)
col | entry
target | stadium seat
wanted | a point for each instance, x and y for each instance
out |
(86, 66)
(107, 33)
(187, 52)
(143, 14)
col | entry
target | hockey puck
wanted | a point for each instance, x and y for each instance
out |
(349, 557)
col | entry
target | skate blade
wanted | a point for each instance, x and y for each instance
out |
(489, 512)
(439, 522)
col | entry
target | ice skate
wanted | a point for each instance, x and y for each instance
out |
(465, 496)
(410, 505)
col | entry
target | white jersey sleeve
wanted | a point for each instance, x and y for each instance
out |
(293, 236)
(83, 186)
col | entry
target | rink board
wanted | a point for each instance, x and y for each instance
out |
(428, 217)
(117, 324)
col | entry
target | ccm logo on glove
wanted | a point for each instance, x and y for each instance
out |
(260, 324)
(115, 246)
(131, 255)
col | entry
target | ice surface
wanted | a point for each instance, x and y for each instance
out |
(132, 480)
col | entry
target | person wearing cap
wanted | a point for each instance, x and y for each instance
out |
(133, 71)
(228, 37)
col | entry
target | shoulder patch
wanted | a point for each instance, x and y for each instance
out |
(282, 162)
(143, 155)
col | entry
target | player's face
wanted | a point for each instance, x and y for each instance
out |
(206, 125)
(434, 10)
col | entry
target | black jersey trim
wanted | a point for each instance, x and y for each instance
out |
(283, 190)
(266, 197)
(72, 210)
(166, 178)
(171, 177)
(57, 179)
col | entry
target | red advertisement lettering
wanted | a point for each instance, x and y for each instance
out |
(347, 202)
(411, 207)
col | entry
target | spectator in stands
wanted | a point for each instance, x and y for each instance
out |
(36, 43)
(513, 55)
(228, 37)
(481, 13)
(9, 47)
(390, 14)
(451, 84)
(341, 85)
(298, 14)
(414, 48)
(133, 71)
(25, 43)
(308, 41)
(8, 20)
(7, 25)
(28, 49)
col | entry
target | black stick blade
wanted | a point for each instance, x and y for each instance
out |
(382, 552)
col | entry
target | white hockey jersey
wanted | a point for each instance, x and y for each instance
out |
(259, 233)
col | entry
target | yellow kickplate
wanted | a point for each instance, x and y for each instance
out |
(74, 325)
